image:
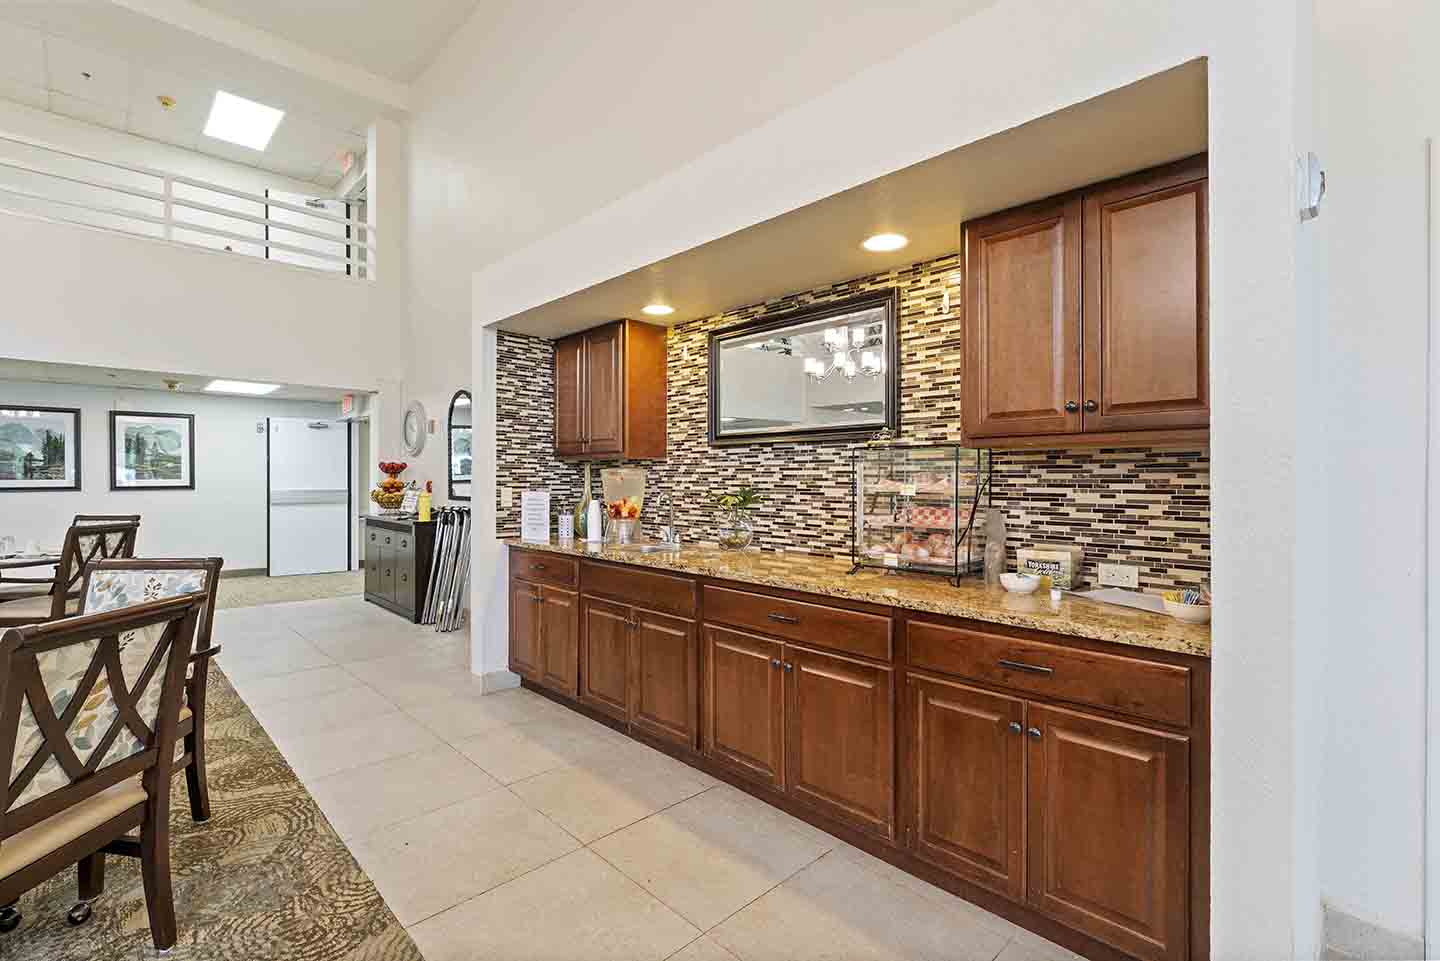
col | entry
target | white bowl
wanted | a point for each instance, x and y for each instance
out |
(1020, 583)
(1189, 613)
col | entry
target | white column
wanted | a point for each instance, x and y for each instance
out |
(489, 598)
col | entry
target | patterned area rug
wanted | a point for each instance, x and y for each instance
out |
(250, 591)
(266, 878)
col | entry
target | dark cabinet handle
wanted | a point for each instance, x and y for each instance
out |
(1091, 406)
(387, 540)
(783, 618)
(1034, 732)
(1016, 727)
(537, 567)
(404, 576)
(1071, 406)
(1027, 668)
(404, 543)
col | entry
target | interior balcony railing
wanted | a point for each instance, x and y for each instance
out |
(59, 184)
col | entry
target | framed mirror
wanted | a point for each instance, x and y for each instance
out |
(457, 433)
(829, 372)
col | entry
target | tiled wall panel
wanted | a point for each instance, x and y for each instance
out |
(1150, 508)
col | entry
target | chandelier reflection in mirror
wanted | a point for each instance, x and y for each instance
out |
(854, 351)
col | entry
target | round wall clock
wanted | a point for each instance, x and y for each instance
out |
(413, 429)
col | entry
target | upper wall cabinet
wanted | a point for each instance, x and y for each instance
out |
(610, 392)
(1086, 316)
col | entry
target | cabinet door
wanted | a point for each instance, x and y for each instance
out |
(1022, 322)
(405, 570)
(840, 737)
(1109, 830)
(967, 782)
(372, 560)
(1146, 316)
(525, 630)
(559, 639)
(605, 630)
(604, 390)
(665, 677)
(745, 704)
(570, 395)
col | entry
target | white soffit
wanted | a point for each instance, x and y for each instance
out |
(1154, 121)
(116, 378)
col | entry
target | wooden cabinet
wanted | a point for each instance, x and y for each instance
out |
(967, 782)
(745, 704)
(1086, 317)
(840, 737)
(559, 639)
(544, 635)
(605, 657)
(1109, 829)
(610, 392)
(397, 564)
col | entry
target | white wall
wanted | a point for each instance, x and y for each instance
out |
(1377, 99)
(223, 516)
(972, 88)
(77, 295)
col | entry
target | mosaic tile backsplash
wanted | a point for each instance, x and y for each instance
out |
(1140, 506)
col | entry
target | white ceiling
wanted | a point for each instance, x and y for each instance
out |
(1156, 120)
(394, 38)
(121, 378)
(47, 49)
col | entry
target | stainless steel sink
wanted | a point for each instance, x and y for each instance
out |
(648, 548)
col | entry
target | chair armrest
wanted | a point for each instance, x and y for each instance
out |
(209, 652)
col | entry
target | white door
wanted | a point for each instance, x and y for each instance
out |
(309, 496)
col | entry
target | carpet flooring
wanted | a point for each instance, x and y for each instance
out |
(250, 591)
(266, 878)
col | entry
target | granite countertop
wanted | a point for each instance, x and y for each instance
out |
(916, 592)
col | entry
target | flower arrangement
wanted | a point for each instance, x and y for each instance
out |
(738, 531)
(738, 500)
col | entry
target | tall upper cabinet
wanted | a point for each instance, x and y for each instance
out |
(1086, 316)
(610, 392)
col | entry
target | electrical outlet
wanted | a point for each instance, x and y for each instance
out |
(1119, 575)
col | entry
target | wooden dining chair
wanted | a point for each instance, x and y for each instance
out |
(114, 584)
(89, 713)
(84, 542)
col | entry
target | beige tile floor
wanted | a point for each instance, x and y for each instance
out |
(507, 827)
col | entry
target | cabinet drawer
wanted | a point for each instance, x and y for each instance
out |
(854, 632)
(544, 568)
(1145, 689)
(646, 589)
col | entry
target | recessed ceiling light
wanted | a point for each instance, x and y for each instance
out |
(658, 310)
(240, 121)
(883, 243)
(240, 387)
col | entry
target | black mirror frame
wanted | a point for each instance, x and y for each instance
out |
(449, 441)
(888, 298)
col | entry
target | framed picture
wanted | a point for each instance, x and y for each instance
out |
(151, 451)
(39, 448)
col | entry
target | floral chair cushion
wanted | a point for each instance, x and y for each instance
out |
(63, 669)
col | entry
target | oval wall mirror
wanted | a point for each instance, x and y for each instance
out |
(458, 443)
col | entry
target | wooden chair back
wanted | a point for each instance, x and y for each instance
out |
(89, 541)
(87, 702)
(103, 519)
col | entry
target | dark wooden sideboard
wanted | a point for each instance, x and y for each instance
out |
(398, 555)
(1059, 782)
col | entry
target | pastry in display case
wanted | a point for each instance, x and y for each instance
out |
(916, 508)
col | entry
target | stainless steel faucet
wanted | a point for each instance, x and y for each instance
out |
(667, 532)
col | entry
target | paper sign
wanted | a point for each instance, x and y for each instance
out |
(410, 504)
(535, 517)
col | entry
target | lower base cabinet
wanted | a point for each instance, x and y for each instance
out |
(1067, 780)
(817, 726)
(642, 668)
(544, 627)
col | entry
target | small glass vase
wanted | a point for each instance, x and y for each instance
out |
(736, 531)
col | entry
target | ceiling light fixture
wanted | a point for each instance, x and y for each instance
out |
(240, 121)
(658, 310)
(240, 387)
(884, 243)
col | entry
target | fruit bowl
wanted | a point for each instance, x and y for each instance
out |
(1019, 583)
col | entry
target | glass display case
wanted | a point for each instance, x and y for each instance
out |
(920, 509)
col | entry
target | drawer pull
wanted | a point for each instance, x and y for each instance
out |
(537, 567)
(1027, 668)
(783, 618)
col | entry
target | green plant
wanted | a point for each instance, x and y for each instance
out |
(737, 500)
